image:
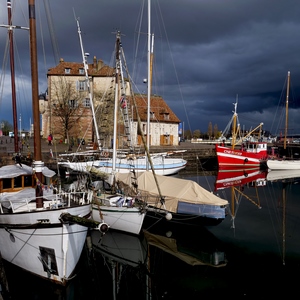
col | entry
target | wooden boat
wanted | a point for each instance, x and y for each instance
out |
(41, 230)
(248, 154)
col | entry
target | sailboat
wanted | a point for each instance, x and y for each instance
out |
(284, 163)
(41, 230)
(173, 199)
(250, 153)
(163, 163)
(115, 209)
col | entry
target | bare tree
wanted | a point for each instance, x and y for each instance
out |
(197, 133)
(66, 107)
(216, 131)
(209, 130)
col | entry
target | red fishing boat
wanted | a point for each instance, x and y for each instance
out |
(244, 152)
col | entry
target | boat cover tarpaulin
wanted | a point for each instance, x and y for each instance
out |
(173, 190)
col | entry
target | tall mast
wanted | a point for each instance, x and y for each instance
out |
(286, 110)
(84, 59)
(12, 75)
(37, 164)
(10, 28)
(116, 101)
(149, 74)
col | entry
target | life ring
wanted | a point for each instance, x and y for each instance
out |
(105, 154)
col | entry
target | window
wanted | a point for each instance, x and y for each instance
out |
(152, 115)
(81, 71)
(67, 70)
(73, 103)
(166, 116)
(81, 86)
(86, 102)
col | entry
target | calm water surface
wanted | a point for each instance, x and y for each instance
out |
(252, 254)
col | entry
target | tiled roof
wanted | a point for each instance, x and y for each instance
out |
(158, 106)
(97, 68)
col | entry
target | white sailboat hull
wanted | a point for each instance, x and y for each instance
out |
(275, 164)
(126, 219)
(39, 243)
(162, 166)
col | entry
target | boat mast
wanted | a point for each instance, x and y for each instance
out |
(38, 164)
(85, 64)
(10, 28)
(149, 86)
(234, 128)
(286, 110)
(116, 101)
(12, 75)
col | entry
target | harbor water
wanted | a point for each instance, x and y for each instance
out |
(252, 254)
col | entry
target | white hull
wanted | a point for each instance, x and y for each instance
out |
(274, 164)
(38, 242)
(162, 165)
(126, 219)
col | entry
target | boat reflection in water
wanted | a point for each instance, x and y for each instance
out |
(237, 181)
(134, 262)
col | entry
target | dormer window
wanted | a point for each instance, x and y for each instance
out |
(152, 115)
(81, 71)
(166, 116)
(67, 70)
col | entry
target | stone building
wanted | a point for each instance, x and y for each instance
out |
(67, 114)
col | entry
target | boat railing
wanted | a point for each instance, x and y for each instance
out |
(53, 201)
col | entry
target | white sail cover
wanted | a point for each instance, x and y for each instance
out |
(11, 171)
(172, 189)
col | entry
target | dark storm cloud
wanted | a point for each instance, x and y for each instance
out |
(206, 51)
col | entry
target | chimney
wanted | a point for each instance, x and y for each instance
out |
(100, 64)
(94, 62)
(61, 60)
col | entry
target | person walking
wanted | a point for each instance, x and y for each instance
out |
(50, 139)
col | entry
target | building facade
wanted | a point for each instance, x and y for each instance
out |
(67, 113)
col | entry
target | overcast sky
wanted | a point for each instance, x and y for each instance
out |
(206, 53)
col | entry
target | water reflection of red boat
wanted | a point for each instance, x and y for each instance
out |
(235, 177)
(236, 181)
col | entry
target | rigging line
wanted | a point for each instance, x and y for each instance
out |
(175, 71)
(4, 66)
(42, 40)
(51, 31)
(138, 39)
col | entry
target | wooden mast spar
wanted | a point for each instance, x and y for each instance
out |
(38, 164)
